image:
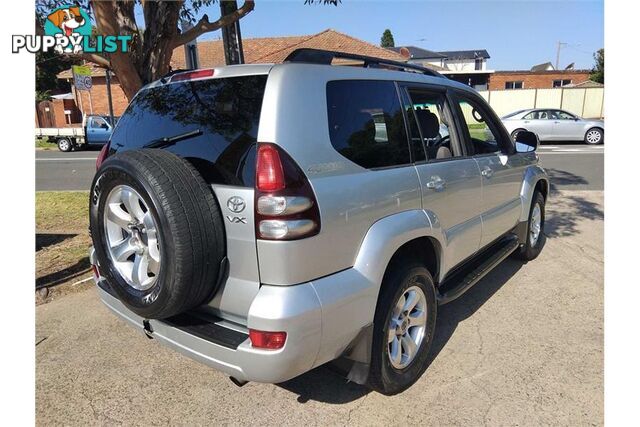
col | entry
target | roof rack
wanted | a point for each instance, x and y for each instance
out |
(326, 57)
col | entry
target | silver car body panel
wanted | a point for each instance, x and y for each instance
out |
(323, 290)
(552, 129)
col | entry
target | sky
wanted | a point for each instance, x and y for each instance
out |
(517, 34)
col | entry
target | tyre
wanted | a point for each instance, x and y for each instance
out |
(535, 230)
(65, 145)
(404, 323)
(158, 232)
(594, 136)
(515, 133)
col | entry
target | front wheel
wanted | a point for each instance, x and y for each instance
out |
(535, 230)
(65, 145)
(594, 136)
(404, 324)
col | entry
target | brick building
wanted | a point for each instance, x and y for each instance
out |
(211, 54)
(544, 79)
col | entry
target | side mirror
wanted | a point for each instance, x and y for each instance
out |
(526, 142)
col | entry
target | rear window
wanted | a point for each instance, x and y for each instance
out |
(220, 115)
(366, 124)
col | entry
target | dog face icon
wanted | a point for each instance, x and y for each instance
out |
(67, 19)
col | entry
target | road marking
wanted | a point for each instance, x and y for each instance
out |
(67, 160)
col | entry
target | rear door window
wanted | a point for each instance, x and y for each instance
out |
(366, 123)
(220, 115)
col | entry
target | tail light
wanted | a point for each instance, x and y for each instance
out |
(267, 340)
(103, 155)
(285, 205)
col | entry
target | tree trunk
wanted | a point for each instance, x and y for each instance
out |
(116, 18)
(149, 55)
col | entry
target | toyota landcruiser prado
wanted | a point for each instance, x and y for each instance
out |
(267, 219)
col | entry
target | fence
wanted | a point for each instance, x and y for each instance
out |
(585, 102)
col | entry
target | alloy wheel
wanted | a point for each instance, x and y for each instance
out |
(407, 327)
(536, 225)
(132, 237)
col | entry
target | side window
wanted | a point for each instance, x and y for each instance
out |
(98, 122)
(366, 124)
(534, 115)
(562, 115)
(430, 130)
(483, 134)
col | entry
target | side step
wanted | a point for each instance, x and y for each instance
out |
(459, 281)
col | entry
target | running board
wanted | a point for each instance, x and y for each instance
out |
(462, 279)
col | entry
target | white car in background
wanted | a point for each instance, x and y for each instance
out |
(555, 125)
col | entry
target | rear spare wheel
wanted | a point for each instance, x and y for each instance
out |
(157, 231)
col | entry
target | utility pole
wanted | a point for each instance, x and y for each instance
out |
(231, 38)
(560, 46)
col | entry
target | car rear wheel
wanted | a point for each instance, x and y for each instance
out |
(594, 136)
(157, 231)
(65, 145)
(404, 324)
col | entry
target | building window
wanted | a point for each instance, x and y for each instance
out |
(479, 64)
(514, 85)
(561, 83)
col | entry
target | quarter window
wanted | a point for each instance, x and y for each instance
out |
(366, 124)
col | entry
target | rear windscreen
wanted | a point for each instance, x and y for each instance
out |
(213, 121)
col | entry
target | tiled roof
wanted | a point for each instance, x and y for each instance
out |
(419, 53)
(276, 49)
(465, 54)
(273, 50)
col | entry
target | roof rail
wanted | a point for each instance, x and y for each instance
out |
(326, 57)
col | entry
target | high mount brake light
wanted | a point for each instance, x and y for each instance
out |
(190, 75)
(285, 204)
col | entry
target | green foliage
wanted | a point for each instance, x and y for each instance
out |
(387, 39)
(48, 65)
(597, 73)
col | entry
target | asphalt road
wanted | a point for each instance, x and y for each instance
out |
(571, 167)
(60, 171)
(524, 346)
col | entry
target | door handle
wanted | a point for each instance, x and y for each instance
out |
(436, 183)
(487, 172)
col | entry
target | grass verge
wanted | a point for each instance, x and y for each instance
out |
(43, 144)
(62, 243)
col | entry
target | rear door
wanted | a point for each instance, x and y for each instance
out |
(538, 122)
(501, 170)
(450, 180)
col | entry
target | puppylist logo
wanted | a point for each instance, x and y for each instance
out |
(67, 29)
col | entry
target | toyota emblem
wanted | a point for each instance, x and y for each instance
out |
(236, 204)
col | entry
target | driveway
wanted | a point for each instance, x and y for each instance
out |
(523, 347)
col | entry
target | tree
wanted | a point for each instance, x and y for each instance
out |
(597, 73)
(152, 45)
(48, 65)
(387, 39)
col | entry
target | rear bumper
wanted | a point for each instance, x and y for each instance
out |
(244, 362)
(321, 318)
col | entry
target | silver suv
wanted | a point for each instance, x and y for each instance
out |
(268, 219)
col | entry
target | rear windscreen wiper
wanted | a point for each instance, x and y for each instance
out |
(166, 141)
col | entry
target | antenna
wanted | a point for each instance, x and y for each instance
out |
(560, 46)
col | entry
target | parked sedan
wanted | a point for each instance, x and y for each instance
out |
(555, 125)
